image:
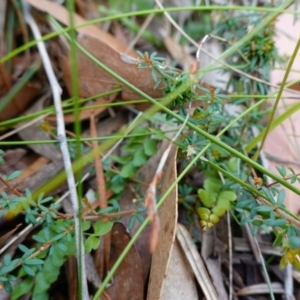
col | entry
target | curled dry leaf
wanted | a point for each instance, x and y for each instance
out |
(18, 104)
(168, 218)
(128, 279)
(94, 80)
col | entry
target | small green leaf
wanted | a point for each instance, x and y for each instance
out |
(140, 218)
(22, 288)
(223, 202)
(150, 147)
(128, 170)
(86, 225)
(207, 198)
(101, 228)
(219, 211)
(42, 296)
(91, 243)
(62, 246)
(244, 203)
(213, 219)
(14, 175)
(256, 222)
(294, 241)
(204, 213)
(122, 159)
(139, 158)
(230, 195)
(46, 200)
(131, 222)
(58, 258)
(225, 198)
(33, 262)
(117, 184)
(106, 210)
(6, 269)
(212, 185)
(7, 286)
(28, 270)
(41, 284)
(264, 208)
(132, 147)
(232, 164)
(51, 272)
(57, 237)
(278, 239)
(7, 259)
(276, 222)
(281, 197)
(268, 194)
(23, 248)
(281, 169)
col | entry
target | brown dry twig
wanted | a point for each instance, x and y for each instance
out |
(12, 189)
(100, 179)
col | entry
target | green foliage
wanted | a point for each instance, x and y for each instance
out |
(24, 287)
(215, 201)
(137, 216)
(51, 267)
(39, 266)
(136, 152)
(257, 203)
(93, 241)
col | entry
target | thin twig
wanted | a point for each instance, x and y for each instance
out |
(98, 166)
(100, 180)
(12, 189)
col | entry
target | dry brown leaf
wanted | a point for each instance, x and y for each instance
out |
(94, 80)
(261, 288)
(61, 14)
(213, 266)
(196, 262)
(168, 219)
(15, 159)
(180, 281)
(7, 235)
(128, 279)
(20, 101)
